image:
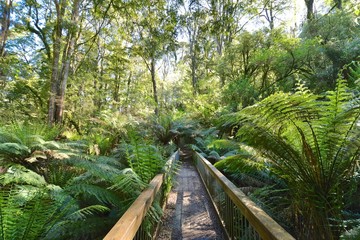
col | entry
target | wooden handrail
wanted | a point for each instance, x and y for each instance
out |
(129, 223)
(264, 225)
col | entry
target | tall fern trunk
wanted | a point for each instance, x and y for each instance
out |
(319, 217)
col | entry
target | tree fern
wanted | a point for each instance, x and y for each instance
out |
(313, 143)
(26, 213)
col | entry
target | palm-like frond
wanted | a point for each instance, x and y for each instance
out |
(23, 145)
(14, 151)
(313, 143)
(83, 213)
(90, 228)
(101, 194)
(128, 183)
(144, 159)
(27, 212)
(17, 174)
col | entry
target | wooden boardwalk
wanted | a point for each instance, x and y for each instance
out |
(189, 214)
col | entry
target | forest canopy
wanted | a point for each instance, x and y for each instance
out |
(67, 61)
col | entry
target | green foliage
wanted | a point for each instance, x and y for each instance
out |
(24, 214)
(220, 67)
(338, 40)
(29, 145)
(106, 132)
(354, 69)
(95, 190)
(163, 128)
(29, 207)
(312, 144)
(253, 175)
(239, 93)
(145, 160)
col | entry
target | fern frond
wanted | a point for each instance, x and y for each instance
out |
(92, 227)
(128, 183)
(103, 195)
(25, 215)
(6, 137)
(145, 160)
(17, 174)
(83, 213)
(224, 144)
(14, 151)
(95, 167)
(243, 163)
(312, 143)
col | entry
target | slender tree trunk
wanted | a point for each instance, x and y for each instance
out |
(128, 92)
(67, 55)
(116, 89)
(193, 60)
(5, 24)
(153, 80)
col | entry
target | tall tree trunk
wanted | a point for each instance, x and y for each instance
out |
(310, 9)
(116, 95)
(55, 69)
(60, 70)
(128, 92)
(193, 60)
(5, 24)
(66, 59)
(153, 80)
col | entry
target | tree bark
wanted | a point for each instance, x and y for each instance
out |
(310, 9)
(60, 71)
(193, 60)
(55, 83)
(153, 80)
(5, 25)
(67, 55)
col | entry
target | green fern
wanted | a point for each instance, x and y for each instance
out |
(312, 143)
(145, 160)
(26, 212)
(17, 174)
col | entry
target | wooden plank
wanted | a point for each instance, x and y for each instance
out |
(170, 162)
(129, 223)
(267, 228)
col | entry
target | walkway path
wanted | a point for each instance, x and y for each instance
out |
(189, 214)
